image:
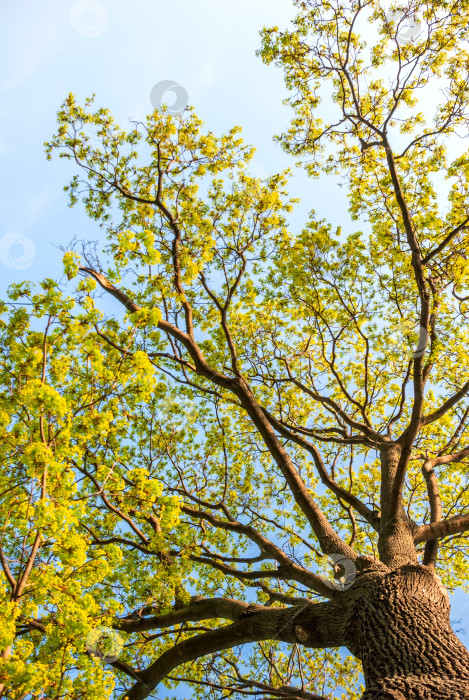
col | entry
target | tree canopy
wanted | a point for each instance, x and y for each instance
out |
(200, 479)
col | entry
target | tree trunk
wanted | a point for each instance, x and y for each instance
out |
(396, 543)
(399, 627)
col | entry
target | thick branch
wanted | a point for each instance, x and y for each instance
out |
(431, 546)
(322, 626)
(414, 426)
(204, 609)
(448, 404)
(451, 526)
(445, 241)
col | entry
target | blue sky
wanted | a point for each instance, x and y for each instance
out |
(120, 50)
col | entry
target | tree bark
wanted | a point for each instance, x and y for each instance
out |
(399, 627)
(396, 540)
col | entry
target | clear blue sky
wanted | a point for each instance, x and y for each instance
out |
(120, 50)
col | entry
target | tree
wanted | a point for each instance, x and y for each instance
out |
(223, 405)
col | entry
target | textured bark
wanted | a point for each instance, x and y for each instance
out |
(399, 627)
(396, 541)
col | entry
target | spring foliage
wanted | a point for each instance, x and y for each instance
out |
(126, 455)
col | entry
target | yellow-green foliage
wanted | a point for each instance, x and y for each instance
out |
(110, 431)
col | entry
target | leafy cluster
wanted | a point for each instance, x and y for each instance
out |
(215, 437)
